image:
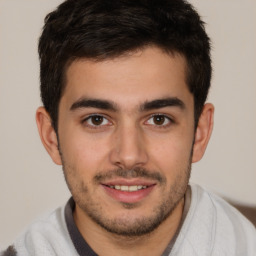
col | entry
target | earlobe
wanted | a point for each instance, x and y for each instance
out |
(203, 132)
(47, 134)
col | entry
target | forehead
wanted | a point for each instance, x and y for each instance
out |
(136, 77)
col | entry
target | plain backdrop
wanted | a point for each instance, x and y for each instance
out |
(31, 185)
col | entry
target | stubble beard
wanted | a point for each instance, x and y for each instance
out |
(125, 226)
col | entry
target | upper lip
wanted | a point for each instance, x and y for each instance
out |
(129, 182)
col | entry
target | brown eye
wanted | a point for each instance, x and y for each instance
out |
(159, 119)
(97, 120)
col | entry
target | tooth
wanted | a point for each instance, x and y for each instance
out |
(124, 188)
(128, 188)
(133, 188)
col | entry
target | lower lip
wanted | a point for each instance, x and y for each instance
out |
(128, 197)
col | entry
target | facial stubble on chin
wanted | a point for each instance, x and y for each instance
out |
(123, 226)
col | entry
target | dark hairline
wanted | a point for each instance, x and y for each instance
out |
(172, 26)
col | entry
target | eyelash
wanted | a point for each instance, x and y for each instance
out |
(94, 126)
(167, 118)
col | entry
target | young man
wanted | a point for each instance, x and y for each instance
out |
(124, 85)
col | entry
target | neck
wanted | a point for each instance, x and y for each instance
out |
(106, 243)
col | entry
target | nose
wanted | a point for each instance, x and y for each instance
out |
(129, 148)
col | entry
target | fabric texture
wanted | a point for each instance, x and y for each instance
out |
(211, 227)
(47, 236)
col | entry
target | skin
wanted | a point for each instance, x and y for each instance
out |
(133, 140)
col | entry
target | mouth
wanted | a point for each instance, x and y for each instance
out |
(132, 188)
(126, 192)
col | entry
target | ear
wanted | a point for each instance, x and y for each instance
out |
(47, 134)
(203, 132)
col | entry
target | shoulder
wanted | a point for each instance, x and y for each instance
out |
(46, 236)
(214, 227)
(223, 214)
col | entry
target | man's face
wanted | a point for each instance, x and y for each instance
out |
(126, 130)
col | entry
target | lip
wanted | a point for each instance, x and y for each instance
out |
(129, 182)
(125, 196)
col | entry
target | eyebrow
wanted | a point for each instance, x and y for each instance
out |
(108, 105)
(162, 103)
(93, 103)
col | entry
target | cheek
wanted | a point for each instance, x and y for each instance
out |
(172, 153)
(84, 152)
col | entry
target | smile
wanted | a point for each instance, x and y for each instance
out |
(129, 193)
(128, 188)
